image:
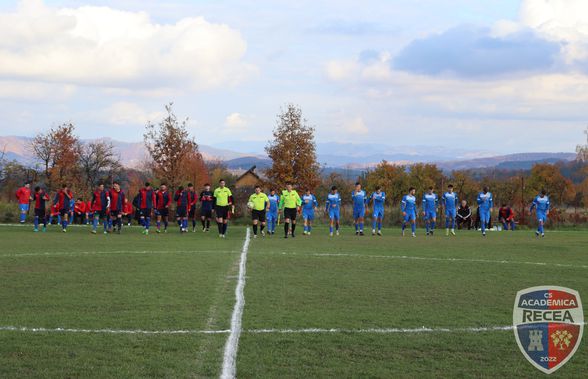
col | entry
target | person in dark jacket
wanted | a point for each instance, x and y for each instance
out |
(464, 216)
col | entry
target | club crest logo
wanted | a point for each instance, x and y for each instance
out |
(548, 323)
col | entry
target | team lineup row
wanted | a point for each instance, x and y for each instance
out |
(110, 206)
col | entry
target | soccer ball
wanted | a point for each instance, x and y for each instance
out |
(250, 205)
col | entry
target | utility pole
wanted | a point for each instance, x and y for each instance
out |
(522, 199)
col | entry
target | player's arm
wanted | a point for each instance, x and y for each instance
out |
(424, 204)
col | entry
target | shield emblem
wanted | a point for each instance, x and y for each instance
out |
(548, 322)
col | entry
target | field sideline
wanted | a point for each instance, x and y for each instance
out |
(82, 305)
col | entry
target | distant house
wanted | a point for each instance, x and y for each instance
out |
(248, 179)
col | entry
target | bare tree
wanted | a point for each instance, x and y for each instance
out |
(98, 159)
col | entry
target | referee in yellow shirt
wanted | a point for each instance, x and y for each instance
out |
(223, 199)
(258, 203)
(290, 201)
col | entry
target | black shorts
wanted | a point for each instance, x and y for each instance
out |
(222, 212)
(163, 212)
(145, 212)
(100, 214)
(258, 215)
(64, 212)
(181, 211)
(40, 212)
(115, 213)
(290, 213)
(206, 213)
(192, 211)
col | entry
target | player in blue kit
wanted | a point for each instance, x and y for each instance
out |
(485, 205)
(272, 213)
(541, 204)
(309, 204)
(333, 209)
(378, 199)
(450, 202)
(430, 205)
(409, 209)
(359, 199)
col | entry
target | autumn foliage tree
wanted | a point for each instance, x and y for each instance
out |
(293, 151)
(171, 149)
(58, 151)
(549, 177)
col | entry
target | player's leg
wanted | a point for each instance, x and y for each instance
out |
(337, 221)
(361, 221)
(95, 221)
(262, 222)
(413, 224)
(255, 220)
(433, 222)
(331, 222)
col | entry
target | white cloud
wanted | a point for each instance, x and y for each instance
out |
(101, 46)
(127, 113)
(356, 125)
(35, 91)
(235, 121)
(557, 20)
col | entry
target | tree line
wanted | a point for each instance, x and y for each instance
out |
(173, 157)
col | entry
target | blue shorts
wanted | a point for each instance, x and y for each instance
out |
(410, 216)
(485, 216)
(23, 207)
(271, 216)
(451, 213)
(308, 214)
(334, 214)
(378, 213)
(358, 213)
(541, 217)
(429, 215)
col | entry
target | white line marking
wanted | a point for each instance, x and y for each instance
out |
(107, 331)
(382, 330)
(229, 369)
(259, 331)
(471, 260)
(121, 252)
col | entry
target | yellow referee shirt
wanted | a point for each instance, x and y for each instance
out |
(222, 196)
(259, 201)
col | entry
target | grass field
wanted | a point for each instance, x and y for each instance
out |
(160, 305)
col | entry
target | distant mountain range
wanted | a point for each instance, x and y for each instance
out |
(348, 158)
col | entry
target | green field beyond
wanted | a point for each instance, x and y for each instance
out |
(77, 305)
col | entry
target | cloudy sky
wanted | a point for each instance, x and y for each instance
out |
(499, 75)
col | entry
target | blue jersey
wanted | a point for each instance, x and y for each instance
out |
(378, 199)
(430, 202)
(333, 201)
(309, 202)
(408, 204)
(274, 200)
(541, 203)
(485, 201)
(450, 200)
(359, 199)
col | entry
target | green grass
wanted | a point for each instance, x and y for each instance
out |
(186, 282)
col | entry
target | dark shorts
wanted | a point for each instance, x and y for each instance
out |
(222, 212)
(206, 213)
(145, 212)
(100, 214)
(40, 212)
(192, 211)
(181, 211)
(115, 213)
(64, 212)
(258, 215)
(163, 212)
(290, 213)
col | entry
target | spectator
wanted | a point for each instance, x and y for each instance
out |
(506, 217)
(80, 211)
(464, 216)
